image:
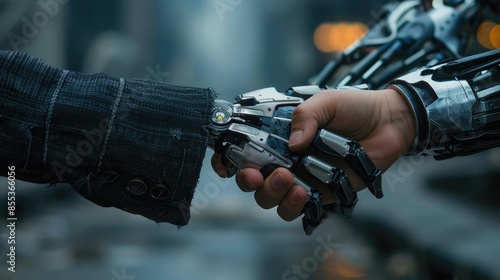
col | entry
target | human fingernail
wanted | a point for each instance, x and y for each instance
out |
(279, 183)
(247, 182)
(221, 171)
(295, 137)
(296, 198)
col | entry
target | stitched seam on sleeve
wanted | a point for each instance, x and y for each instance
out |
(111, 121)
(52, 104)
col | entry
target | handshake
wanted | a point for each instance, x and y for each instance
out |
(299, 150)
(259, 136)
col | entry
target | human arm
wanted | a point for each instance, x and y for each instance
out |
(118, 142)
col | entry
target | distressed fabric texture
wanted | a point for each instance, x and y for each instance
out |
(136, 144)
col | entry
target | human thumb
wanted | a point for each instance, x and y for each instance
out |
(303, 129)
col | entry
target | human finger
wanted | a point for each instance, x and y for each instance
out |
(275, 188)
(313, 113)
(249, 179)
(291, 206)
(218, 167)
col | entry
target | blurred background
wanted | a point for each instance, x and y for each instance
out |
(438, 219)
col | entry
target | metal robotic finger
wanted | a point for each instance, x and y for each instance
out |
(254, 131)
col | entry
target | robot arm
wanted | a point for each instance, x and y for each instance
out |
(456, 105)
(407, 35)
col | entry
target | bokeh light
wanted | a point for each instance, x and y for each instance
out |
(488, 35)
(336, 37)
(495, 36)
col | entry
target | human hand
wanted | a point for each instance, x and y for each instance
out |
(381, 121)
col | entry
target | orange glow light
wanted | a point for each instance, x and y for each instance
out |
(335, 37)
(495, 36)
(484, 34)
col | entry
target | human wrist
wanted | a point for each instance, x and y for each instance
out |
(402, 117)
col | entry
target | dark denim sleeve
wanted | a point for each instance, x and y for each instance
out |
(133, 144)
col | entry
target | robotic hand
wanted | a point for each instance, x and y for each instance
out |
(456, 107)
(254, 132)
